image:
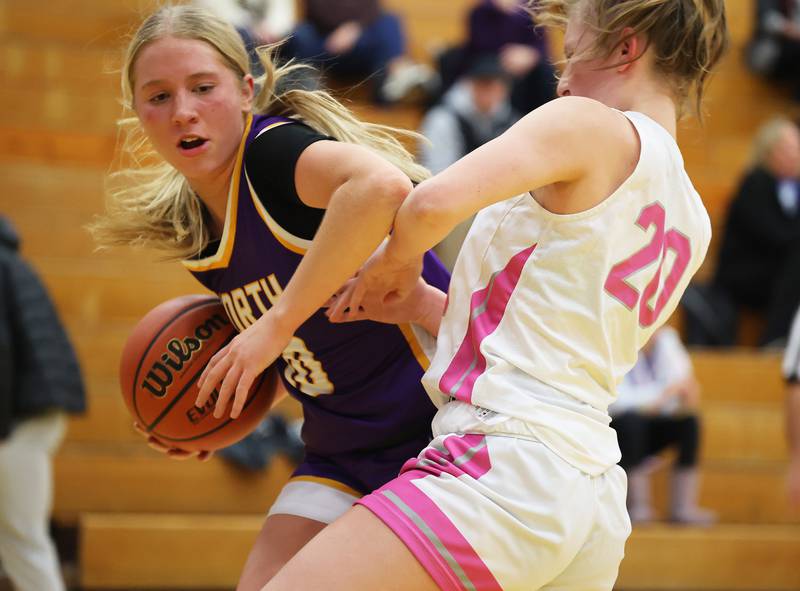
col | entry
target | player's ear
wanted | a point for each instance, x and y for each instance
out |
(248, 92)
(629, 49)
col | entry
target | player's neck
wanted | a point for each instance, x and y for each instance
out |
(213, 192)
(660, 107)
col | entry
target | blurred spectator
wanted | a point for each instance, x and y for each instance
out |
(259, 22)
(504, 28)
(473, 111)
(262, 21)
(657, 409)
(759, 259)
(358, 39)
(774, 50)
(791, 372)
(40, 381)
(274, 435)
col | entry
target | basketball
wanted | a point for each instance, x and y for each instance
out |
(161, 363)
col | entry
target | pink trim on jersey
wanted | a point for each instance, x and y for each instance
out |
(434, 540)
(487, 307)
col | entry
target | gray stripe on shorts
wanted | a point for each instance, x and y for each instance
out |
(432, 537)
(459, 461)
(469, 454)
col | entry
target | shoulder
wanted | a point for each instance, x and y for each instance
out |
(584, 110)
(282, 133)
(579, 118)
(279, 146)
(584, 131)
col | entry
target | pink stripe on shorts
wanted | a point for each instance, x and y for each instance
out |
(434, 540)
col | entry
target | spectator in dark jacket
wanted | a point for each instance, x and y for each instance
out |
(358, 39)
(503, 28)
(39, 383)
(774, 49)
(759, 260)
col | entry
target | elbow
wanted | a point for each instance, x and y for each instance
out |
(428, 205)
(388, 189)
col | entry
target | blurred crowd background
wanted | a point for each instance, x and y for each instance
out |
(708, 419)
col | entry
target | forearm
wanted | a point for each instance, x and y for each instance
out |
(358, 217)
(421, 223)
(432, 310)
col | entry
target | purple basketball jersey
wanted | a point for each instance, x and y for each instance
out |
(359, 383)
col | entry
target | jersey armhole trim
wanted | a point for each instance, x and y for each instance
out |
(271, 126)
(287, 239)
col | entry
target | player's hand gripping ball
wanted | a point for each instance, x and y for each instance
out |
(161, 361)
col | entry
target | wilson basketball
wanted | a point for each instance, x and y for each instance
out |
(161, 363)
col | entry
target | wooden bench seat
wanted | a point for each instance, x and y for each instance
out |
(730, 557)
(118, 552)
(131, 477)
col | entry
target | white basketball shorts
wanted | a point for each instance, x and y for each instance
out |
(490, 512)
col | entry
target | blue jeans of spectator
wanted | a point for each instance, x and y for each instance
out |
(381, 41)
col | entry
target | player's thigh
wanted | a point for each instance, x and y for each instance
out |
(280, 538)
(355, 552)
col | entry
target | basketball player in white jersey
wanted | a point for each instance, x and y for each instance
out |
(589, 231)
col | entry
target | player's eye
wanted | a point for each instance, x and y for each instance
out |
(158, 98)
(204, 88)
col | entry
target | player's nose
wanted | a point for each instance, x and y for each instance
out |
(184, 110)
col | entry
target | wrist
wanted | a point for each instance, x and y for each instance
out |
(282, 326)
(432, 310)
(396, 260)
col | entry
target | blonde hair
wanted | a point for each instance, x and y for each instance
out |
(150, 203)
(687, 37)
(766, 137)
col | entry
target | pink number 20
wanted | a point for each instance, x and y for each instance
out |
(662, 242)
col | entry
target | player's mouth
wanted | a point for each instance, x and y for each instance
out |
(189, 145)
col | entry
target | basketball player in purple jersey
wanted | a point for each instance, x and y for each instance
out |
(272, 198)
(588, 230)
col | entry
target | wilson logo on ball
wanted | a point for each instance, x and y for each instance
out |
(178, 353)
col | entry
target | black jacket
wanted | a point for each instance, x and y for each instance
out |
(38, 366)
(759, 239)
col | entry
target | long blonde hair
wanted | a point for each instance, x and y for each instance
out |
(149, 203)
(687, 37)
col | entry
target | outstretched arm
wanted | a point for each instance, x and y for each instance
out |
(557, 144)
(567, 142)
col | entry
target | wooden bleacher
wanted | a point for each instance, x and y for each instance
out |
(57, 135)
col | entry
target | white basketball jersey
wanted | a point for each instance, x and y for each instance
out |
(547, 312)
